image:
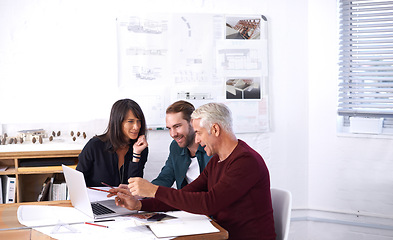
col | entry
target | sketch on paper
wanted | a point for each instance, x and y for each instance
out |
(243, 28)
(139, 25)
(192, 49)
(240, 59)
(143, 49)
(194, 95)
(243, 88)
(198, 58)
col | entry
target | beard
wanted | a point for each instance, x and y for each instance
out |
(190, 137)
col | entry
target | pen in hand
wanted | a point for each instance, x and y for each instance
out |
(106, 185)
(102, 190)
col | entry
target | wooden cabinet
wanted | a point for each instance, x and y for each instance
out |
(32, 168)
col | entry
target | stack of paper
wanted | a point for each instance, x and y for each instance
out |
(67, 223)
(184, 224)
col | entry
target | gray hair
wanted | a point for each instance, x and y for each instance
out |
(212, 113)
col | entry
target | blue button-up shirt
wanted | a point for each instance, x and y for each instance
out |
(176, 166)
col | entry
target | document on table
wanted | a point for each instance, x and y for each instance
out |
(40, 215)
(184, 224)
(67, 223)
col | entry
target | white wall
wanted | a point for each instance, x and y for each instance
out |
(68, 49)
(351, 176)
(346, 173)
(289, 84)
(59, 64)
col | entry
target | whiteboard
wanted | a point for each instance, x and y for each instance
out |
(196, 57)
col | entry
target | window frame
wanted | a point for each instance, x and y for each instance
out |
(366, 64)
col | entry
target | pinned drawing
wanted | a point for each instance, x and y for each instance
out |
(243, 88)
(196, 57)
(243, 28)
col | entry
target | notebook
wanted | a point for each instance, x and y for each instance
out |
(80, 199)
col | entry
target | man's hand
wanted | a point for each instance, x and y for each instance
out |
(124, 198)
(141, 187)
(114, 191)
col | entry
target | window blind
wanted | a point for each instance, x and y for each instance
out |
(366, 59)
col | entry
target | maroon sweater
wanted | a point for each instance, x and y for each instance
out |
(234, 192)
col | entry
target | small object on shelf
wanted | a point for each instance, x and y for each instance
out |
(84, 135)
(1, 188)
(51, 138)
(78, 134)
(3, 141)
(58, 189)
(31, 168)
(10, 141)
(2, 169)
(72, 133)
(58, 133)
(21, 140)
(74, 138)
(40, 140)
(43, 195)
(15, 140)
(9, 184)
(53, 133)
(33, 140)
(28, 135)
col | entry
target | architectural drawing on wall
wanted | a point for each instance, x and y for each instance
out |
(199, 58)
(242, 28)
(191, 77)
(143, 49)
(243, 88)
(187, 24)
(153, 106)
(139, 25)
(238, 59)
(191, 49)
(194, 96)
(244, 120)
(142, 73)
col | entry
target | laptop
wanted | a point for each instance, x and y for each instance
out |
(80, 199)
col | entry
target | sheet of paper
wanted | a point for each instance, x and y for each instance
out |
(39, 217)
(67, 223)
(120, 229)
(184, 224)
(95, 195)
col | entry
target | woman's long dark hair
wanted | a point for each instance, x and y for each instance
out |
(119, 111)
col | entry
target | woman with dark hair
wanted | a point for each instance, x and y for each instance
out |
(119, 153)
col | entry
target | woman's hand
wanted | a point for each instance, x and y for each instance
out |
(140, 144)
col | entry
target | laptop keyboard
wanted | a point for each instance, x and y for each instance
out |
(99, 209)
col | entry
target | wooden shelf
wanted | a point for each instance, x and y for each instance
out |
(40, 170)
(36, 167)
(40, 154)
(8, 171)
